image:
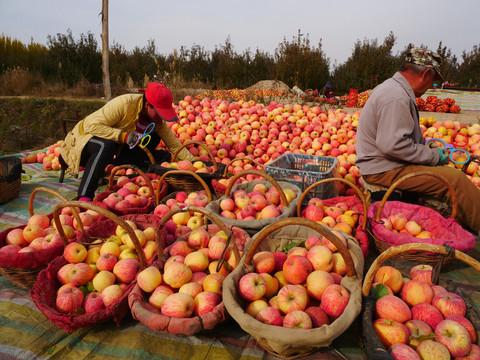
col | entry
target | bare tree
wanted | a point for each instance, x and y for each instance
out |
(105, 51)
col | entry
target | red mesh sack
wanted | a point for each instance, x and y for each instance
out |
(151, 316)
(356, 203)
(143, 178)
(44, 291)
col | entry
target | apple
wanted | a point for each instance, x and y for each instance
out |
(398, 221)
(103, 279)
(427, 313)
(213, 283)
(254, 307)
(111, 294)
(106, 262)
(394, 308)
(270, 315)
(110, 247)
(264, 262)
(31, 232)
(317, 316)
(161, 210)
(142, 239)
(389, 276)
(292, 297)
(64, 272)
(93, 302)
(158, 296)
(280, 258)
(415, 292)
(227, 204)
(125, 270)
(312, 241)
(38, 219)
(418, 328)
(297, 250)
(390, 332)
(466, 324)
(413, 227)
(205, 302)
(50, 241)
(252, 286)
(296, 269)
(180, 247)
(433, 350)
(75, 252)
(80, 274)
(271, 283)
(69, 300)
(400, 351)
(177, 274)
(313, 212)
(198, 238)
(454, 336)
(15, 237)
(334, 300)
(422, 273)
(178, 305)
(297, 319)
(269, 212)
(149, 278)
(450, 304)
(191, 288)
(474, 353)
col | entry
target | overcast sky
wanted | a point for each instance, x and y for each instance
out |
(260, 24)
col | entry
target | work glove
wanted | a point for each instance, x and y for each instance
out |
(132, 138)
(443, 157)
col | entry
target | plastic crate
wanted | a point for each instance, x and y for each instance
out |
(304, 170)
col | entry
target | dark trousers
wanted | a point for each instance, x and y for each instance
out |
(99, 152)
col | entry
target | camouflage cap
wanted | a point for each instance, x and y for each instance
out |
(425, 57)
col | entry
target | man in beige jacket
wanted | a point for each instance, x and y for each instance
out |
(95, 141)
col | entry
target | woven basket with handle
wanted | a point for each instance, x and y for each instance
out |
(22, 268)
(188, 183)
(10, 178)
(446, 231)
(283, 342)
(152, 317)
(373, 347)
(44, 291)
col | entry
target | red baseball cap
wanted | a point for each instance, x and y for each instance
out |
(161, 98)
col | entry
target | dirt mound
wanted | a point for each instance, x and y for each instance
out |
(269, 84)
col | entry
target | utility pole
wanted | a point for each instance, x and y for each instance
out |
(105, 52)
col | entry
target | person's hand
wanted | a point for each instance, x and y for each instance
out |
(132, 138)
(443, 157)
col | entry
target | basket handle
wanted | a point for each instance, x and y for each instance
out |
(267, 177)
(186, 172)
(394, 250)
(322, 229)
(57, 194)
(214, 218)
(2, 170)
(149, 154)
(408, 176)
(107, 214)
(138, 171)
(242, 158)
(357, 190)
(192, 142)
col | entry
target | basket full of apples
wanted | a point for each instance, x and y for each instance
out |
(256, 204)
(132, 195)
(90, 282)
(27, 249)
(397, 223)
(340, 212)
(294, 301)
(416, 318)
(181, 293)
(207, 170)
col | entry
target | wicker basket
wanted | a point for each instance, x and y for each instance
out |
(10, 178)
(284, 342)
(151, 317)
(45, 288)
(373, 347)
(358, 201)
(162, 190)
(187, 183)
(219, 187)
(202, 185)
(451, 229)
(22, 269)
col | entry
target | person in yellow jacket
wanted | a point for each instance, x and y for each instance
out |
(94, 142)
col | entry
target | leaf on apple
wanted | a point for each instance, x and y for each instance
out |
(379, 291)
(290, 246)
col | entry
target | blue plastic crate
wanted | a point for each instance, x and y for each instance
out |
(304, 170)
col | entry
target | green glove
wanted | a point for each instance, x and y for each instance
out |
(444, 158)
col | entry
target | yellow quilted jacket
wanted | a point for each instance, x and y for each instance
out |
(115, 118)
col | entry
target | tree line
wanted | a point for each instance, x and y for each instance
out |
(297, 61)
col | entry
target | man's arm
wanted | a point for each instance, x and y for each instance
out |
(172, 143)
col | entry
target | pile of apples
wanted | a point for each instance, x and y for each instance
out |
(96, 276)
(299, 289)
(48, 159)
(189, 284)
(41, 233)
(416, 319)
(337, 216)
(183, 222)
(399, 224)
(131, 193)
(196, 166)
(262, 203)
